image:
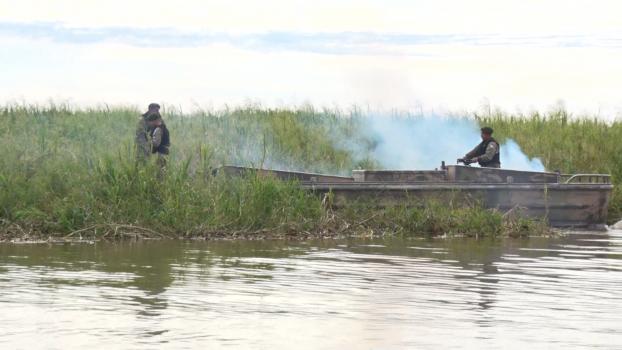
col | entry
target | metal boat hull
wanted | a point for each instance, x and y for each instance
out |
(563, 205)
(564, 200)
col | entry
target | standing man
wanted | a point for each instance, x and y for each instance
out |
(486, 153)
(143, 132)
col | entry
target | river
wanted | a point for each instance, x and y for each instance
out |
(393, 293)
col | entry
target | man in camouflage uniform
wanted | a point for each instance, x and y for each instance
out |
(487, 153)
(143, 132)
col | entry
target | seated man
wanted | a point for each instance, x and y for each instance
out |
(486, 153)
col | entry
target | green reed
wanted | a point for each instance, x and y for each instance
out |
(72, 171)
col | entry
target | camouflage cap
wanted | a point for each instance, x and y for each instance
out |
(152, 108)
(487, 130)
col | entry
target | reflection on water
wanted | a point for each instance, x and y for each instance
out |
(385, 294)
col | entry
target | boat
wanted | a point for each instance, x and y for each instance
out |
(563, 200)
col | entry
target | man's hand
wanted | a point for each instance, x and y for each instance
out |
(467, 161)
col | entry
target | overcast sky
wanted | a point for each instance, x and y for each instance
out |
(390, 54)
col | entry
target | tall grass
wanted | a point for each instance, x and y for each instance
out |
(71, 171)
(66, 170)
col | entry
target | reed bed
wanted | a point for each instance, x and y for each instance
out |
(70, 173)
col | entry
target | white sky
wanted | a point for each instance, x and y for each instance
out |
(515, 54)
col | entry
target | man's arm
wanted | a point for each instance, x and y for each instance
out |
(472, 153)
(156, 139)
(491, 150)
(142, 141)
(141, 135)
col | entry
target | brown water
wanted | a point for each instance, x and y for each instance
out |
(351, 294)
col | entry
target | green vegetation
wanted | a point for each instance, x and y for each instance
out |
(71, 172)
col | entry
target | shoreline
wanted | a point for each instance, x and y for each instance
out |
(259, 235)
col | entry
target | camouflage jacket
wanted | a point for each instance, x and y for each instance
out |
(491, 150)
(143, 144)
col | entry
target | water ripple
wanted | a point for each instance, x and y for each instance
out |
(389, 294)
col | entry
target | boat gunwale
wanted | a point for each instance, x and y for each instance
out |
(402, 186)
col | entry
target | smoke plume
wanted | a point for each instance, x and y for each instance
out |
(422, 143)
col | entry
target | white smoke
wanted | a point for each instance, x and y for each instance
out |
(512, 157)
(421, 143)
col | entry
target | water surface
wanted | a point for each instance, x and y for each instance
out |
(348, 294)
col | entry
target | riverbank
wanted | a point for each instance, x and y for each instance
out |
(71, 172)
(135, 205)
